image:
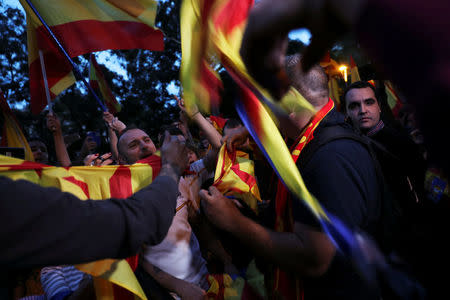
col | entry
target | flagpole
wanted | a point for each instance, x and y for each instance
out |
(44, 75)
(61, 48)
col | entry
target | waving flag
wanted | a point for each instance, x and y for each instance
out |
(227, 21)
(201, 83)
(98, 81)
(84, 27)
(114, 279)
(12, 135)
(354, 70)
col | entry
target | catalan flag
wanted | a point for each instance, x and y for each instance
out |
(12, 135)
(227, 22)
(97, 81)
(113, 279)
(83, 27)
(235, 176)
(201, 83)
(218, 123)
(354, 71)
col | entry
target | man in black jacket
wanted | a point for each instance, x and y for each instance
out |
(44, 226)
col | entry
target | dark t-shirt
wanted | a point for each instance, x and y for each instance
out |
(341, 175)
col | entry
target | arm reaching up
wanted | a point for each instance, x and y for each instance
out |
(54, 125)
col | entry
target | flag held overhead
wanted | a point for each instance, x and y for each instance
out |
(83, 27)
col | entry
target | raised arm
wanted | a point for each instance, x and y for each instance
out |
(54, 125)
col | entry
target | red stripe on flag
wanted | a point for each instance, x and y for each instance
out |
(120, 187)
(232, 15)
(56, 67)
(244, 176)
(83, 185)
(352, 62)
(120, 183)
(211, 83)
(92, 35)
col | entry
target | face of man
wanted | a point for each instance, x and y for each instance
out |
(134, 145)
(362, 108)
(40, 152)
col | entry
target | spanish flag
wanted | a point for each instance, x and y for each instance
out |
(98, 81)
(113, 279)
(83, 26)
(394, 101)
(12, 135)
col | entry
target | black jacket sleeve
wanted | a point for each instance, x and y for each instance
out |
(44, 226)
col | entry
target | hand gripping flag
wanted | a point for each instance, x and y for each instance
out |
(98, 81)
(12, 135)
(83, 27)
(113, 279)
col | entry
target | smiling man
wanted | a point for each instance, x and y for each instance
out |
(133, 145)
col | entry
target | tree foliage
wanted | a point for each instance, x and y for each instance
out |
(143, 92)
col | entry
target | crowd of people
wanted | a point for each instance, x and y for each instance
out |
(372, 172)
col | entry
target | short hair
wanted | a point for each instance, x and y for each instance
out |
(122, 133)
(359, 85)
(313, 85)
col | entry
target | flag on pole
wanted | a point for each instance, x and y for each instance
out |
(113, 279)
(83, 27)
(354, 71)
(12, 135)
(97, 81)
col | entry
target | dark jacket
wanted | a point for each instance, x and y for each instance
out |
(44, 226)
(342, 176)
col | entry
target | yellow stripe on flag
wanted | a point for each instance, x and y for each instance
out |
(89, 183)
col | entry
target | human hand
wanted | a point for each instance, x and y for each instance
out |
(113, 122)
(264, 57)
(235, 138)
(174, 154)
(190, 291)
(53, 123)
(98, 160)
(108, 117)
(219, 210)
(193, 109)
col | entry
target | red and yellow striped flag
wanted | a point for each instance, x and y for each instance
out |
(394, 101)
(83, 27)
(235, 176)
(201, 83)
(98, 81)
(113, 279)
(12, 135)
(354, 71)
